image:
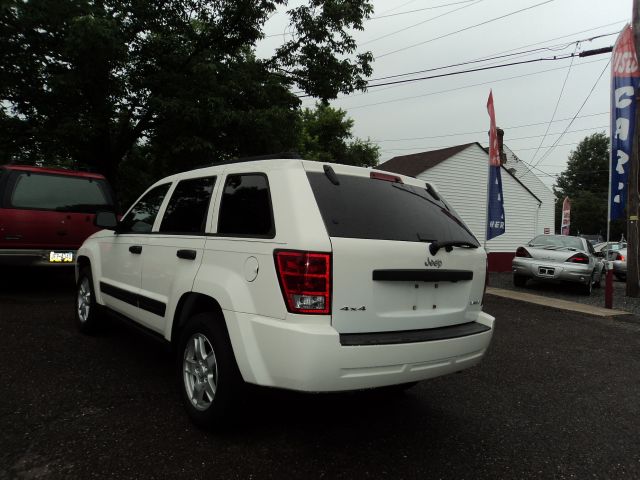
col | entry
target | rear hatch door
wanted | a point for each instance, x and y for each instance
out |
(48, 211)
(385, 278)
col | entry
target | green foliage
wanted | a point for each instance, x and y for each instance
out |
(157, 87)
(586, 182)
(326, 137)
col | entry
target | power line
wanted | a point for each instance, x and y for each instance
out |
(377, 17)
(508, 139)
(484, 131)
(548, 152)
(463, 29)
(420, 23)
(555, 109)
(466, 86)
(471, 70)
(479, 69)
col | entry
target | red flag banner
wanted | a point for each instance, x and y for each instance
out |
(494, 151)
(566, 216)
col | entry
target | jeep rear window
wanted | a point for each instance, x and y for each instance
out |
(59, 192)
(361, 207)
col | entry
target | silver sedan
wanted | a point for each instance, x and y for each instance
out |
(558, 258)
(620, 263)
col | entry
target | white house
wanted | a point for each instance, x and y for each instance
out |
(460, 174)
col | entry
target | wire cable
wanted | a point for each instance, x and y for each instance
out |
(555, 109)
(377, 17)
(484, 131)
(438, 92)
(555, 144)
(486, 22)
(420, 23)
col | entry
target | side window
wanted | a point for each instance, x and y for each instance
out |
(142, 215)
(245, 208)
(188, 205)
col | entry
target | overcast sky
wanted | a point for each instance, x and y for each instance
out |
(437, 113)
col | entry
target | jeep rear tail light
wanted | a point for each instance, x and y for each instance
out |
(579, 258)
(305, 281)
(620, 257)
(522, 252)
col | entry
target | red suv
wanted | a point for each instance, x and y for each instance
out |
(46, 213)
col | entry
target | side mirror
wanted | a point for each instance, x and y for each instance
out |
(107, 220)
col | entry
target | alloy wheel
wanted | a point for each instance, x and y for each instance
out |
(84, 300)
(200, 371)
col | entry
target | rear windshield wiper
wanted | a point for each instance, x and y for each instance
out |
(449, 244)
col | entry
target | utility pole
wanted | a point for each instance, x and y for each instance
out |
(633, 273)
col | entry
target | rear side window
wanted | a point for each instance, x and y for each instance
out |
(187, 208)
(245, 208)
(59, 192)
(366, 208)
(143, 214)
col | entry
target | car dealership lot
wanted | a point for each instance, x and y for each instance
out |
(557, 396)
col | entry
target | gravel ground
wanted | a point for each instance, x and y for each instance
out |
(570, 292)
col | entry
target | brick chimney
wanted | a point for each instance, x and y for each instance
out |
(503, 156)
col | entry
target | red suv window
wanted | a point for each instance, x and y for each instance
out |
(59, 192)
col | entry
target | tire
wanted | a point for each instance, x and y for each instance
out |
(620, 276)
(587, 288)
(598, 284)
(208, 376)
(86, 309)
(519, 280)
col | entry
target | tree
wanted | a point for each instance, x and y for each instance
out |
(326, 137)
(164, 85)
(586, 182)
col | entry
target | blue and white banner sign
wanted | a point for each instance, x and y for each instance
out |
(625, 79)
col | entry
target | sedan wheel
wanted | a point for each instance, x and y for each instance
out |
(588, 287)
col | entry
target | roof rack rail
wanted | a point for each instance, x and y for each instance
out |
(270, 156)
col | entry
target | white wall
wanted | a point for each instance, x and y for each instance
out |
(537, 186)
(462, 179)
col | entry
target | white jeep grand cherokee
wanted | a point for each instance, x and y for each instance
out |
(293, 274)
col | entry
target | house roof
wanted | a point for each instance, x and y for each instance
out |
(417, 163)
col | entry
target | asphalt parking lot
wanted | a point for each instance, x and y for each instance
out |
(556, 397)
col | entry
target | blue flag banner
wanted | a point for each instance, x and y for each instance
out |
(625, 79)
(495, 210)
(495, 204)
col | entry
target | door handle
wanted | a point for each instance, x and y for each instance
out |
(136, 249)
(186, 254)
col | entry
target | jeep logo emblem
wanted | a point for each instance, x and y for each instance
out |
(433, 263)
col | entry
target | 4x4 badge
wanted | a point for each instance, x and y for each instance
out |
(433, 263)
(354, 309)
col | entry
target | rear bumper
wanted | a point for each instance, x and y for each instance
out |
(309, 356)
(32, 257)
(619, 267)
(565, 272)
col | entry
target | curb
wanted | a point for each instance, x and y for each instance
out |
(555, 303)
